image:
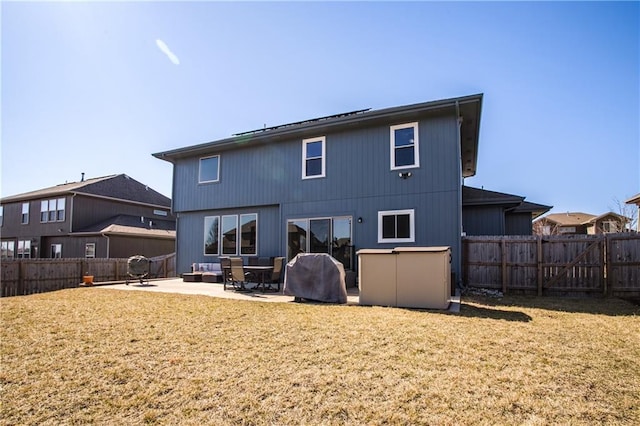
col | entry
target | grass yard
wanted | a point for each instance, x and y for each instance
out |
(102, 356)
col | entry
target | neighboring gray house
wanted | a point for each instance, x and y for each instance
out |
(365, 179)
(106, 217)
(496, 213)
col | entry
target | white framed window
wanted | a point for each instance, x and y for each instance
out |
(403, 146)
(56, 251)
(211, 235)
(313, 157)
(90, 250)
(8, 249)
(52, 210)
(209, 170)
(1, 215)
(249, 234)
(25, 213)
(60, 210)
(396, 226)
(230, 235)
(24, 249)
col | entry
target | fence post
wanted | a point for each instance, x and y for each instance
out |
(503, 244)
(539, 269)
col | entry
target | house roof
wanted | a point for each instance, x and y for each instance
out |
(535, 209)
(579, 218)
(515, 203)
(634, 200)
(477, 196)
(569, 218)
(467, 107)
(132, 226)
(120, 186)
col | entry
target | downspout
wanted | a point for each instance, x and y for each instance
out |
(107, 238)
(71, 213)
(458, 251)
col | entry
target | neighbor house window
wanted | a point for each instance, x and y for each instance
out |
(249, 234)
(313, 158)
(8, 249)
(56, 251)
(24, 249)
(25, 213)
(90, 250)
(396, 226)
(209, 169)
(52, 210)
(230, 234)
(211, 235)
(60, 210)
(1, 215)
(404, 146)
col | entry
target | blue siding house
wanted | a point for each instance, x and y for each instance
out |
(365, 179)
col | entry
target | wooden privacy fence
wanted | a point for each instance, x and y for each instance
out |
(28, 276)
(555, 265)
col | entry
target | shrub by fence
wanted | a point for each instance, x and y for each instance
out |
(555, 265)
(28, 276)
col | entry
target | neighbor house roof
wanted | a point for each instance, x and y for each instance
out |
(634, 200)
(569, 218)
(514, 203)
(467, 107)
(120, 186)
(132, 226)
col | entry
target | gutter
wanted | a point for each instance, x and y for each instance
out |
(285, 131)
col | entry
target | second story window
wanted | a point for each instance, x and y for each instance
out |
(404, 146)
(313, 158)
(52, 210)
(25, 213)
(209, 169)
(1, 215)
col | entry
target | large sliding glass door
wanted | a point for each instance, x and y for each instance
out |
(331, 235)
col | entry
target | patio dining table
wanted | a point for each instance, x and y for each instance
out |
(261, 272)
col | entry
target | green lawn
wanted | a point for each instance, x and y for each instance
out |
(102, 356)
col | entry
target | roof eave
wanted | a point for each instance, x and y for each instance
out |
(469, 105)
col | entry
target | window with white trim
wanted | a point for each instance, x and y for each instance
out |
(209, 170)
(8, 249)
(25, 213)
(24, 249)
(249, 234)
(56, 251)
(231, 234)
(313, 158)
(211, 235)
(404, 146)
(52, 210)
(1, 215)
(90, 250)
(396, 226)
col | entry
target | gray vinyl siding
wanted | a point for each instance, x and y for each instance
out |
(190, 234)
(483, 220)
(358, 183)
(357, 166)
(518, 224)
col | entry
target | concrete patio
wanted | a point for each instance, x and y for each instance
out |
(177, 285)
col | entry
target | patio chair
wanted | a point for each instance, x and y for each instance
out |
(238, 276)
(276, 275)
(225, 265)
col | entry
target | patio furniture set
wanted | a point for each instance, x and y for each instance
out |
(231, 271)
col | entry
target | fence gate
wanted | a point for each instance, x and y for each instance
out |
(554, 265)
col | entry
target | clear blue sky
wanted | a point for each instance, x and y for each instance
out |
(98, 88)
